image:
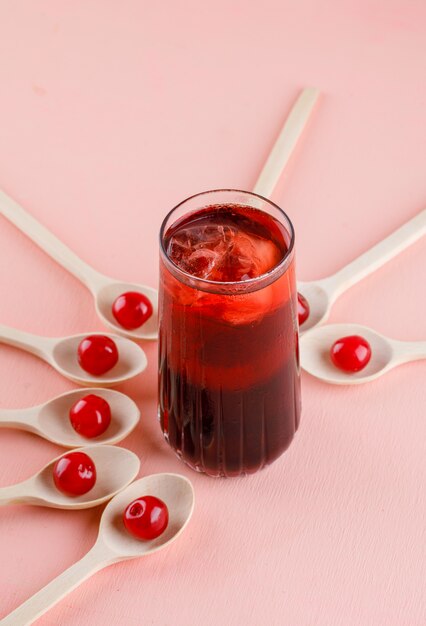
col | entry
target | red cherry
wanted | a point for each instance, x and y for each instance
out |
(74, 473)
(350, 354)
(146, 517)
(97, 354)
(90, 416)
(302, 309)
(132, 309)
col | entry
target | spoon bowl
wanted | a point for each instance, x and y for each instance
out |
(319, 302)
(177, 493)
(115, 469)
(131, 362)
(105, 297)
(315, 358)
(54, 424)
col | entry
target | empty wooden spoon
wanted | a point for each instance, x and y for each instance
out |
(51, 419)
(386, 353)
(114, 544)
(61, 354)
(104, 289)
(115, 468)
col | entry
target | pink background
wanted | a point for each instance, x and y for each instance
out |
(111, 113)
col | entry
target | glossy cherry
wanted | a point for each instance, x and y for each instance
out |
(132, 309)
(146, 517)
(90, 416)
(350, 354)
(97, 354)
(302, 309)
(74, 473)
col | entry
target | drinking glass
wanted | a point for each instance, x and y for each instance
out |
(229, 376)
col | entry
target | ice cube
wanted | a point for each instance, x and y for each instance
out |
(266, 254)
(176, 250)
(201, 262)
(222, 253)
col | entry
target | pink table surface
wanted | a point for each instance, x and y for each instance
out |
(112, 112)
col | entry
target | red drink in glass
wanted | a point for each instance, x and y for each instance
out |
(229, 388)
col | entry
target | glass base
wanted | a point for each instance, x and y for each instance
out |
(207, 472)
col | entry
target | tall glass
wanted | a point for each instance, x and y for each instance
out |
(229, 387)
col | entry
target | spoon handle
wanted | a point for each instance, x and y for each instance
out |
(374, 258)
(286, 142)
(48, 242)
(14, 493)
(39, 346)
(54, 591)
(21, 419)
(406, 351)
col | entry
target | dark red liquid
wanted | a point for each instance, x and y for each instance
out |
(229, 374)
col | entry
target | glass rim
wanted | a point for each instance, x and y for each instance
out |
(250, 284)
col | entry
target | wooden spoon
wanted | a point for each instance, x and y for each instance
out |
(115, 469)
(104, 289)
(321, 294)
(51, 419)
(61, 354)
(385, 353)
